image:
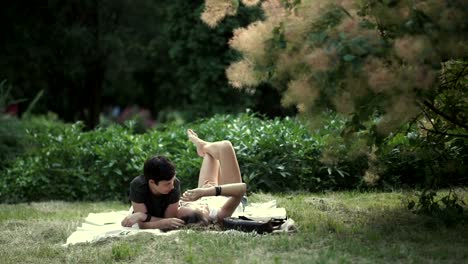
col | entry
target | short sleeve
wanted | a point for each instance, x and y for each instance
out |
(175, 193)
(137, 191)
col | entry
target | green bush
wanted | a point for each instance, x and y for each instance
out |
(60, 161)
(447, 209)
(412, 159)
(274, 155)
(66, 163)
(11, 139)
(13, 135)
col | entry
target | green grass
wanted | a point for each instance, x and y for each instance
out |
(336, 227)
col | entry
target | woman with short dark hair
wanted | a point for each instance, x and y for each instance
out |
(220, 187)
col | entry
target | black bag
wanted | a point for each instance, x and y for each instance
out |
(248, 225)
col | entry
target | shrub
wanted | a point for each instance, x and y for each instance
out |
(13, 135)
(11, 139)
(68, 164)
(447, 209)
(63, 162)
(411, 159)
(274, 155)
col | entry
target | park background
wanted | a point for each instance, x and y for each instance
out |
(328, 99)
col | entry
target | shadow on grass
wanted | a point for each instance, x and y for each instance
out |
(382, 229)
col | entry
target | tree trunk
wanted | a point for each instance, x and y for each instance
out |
(96, 69)
(94, 83)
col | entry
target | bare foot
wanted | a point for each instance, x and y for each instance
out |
(200, 144)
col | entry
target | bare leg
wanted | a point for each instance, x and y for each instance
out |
(229, 167)
(219, 165)
(209, 172)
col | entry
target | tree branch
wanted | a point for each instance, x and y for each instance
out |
(457, 78)
(443, 133)
(444, 115)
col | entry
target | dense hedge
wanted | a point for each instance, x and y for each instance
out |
(13, 135)
(67, 163)
(62, 162)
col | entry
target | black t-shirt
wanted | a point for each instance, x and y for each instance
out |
(156, 204)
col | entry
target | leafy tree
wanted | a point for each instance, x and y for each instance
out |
(364, 59)
(187, 63)
(380, 63)
(93, 53)
(75, 51)
(195, 56)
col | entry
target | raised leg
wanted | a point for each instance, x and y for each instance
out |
(219, 165)
(209, 172)
(225, 154)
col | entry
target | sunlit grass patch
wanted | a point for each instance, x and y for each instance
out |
(55, 210)
(334, 227)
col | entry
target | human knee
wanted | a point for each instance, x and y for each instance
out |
(226, 144)
(218, 148)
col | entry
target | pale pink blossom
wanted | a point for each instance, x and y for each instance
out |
(242, 74)
(250, 2)
(411, 48)
(300, 92)
(318, 59)
(381, 78)
(348, 25)
(217, 10)
(347, 4)
(251, 41)
(273, 9)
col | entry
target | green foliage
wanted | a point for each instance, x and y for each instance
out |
(63, 162)
(194, 58)
(448, 209)
(277, 154)
(5, 95)
(381, 65)
(13, 136)
(60, 161)
(432, 152)
(104, 53)
(13, 131)
(412, 159)
(445, 112)
(11, 139)
(354, 57)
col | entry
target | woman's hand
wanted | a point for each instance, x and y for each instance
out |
(192, 195)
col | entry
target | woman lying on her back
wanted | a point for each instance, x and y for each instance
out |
(220, 187)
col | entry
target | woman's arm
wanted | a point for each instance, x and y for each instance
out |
(231, 189)
(235, 191)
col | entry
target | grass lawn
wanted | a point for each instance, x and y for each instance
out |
(336, 227)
